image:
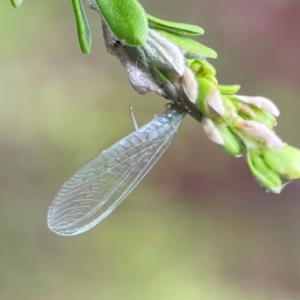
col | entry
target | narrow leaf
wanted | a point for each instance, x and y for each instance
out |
(16, 3)
(176, 27)
(83, 28)
(229, 89)
(188, 44)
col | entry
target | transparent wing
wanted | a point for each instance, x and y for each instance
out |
(95, 190)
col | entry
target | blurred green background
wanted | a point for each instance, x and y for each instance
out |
(198, 226)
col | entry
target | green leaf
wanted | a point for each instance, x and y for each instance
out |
(189, 45)
(229, 89)
(83, 28)
(16, 3)
(176, 27)
(126, 19)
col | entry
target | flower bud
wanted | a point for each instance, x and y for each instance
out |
(230, 106)
(259, 132)
(260, 102)
(222, 135)
(252, 113)
(265, 176)
(202, 68)
(231, 143)
(211, 131)
(284, 161)
(263, 117)
(209, 100)
(188, 85)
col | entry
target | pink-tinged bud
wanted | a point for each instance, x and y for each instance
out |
(260, 102)
(259, 132)
(246, 109)
(222, 135)
(209, 99)
(211, 131)
(187, 85)
(215, 102)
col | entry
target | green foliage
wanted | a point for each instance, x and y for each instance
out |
(229, 89)
(180, 28)
(83, 28)
(16, 3)
(235, 122)
(193, 48)
(126, 19)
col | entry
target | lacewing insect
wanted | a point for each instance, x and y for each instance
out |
(96, 189)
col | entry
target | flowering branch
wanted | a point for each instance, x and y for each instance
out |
(158, 56)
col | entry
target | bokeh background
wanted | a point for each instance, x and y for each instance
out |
(198, 226)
